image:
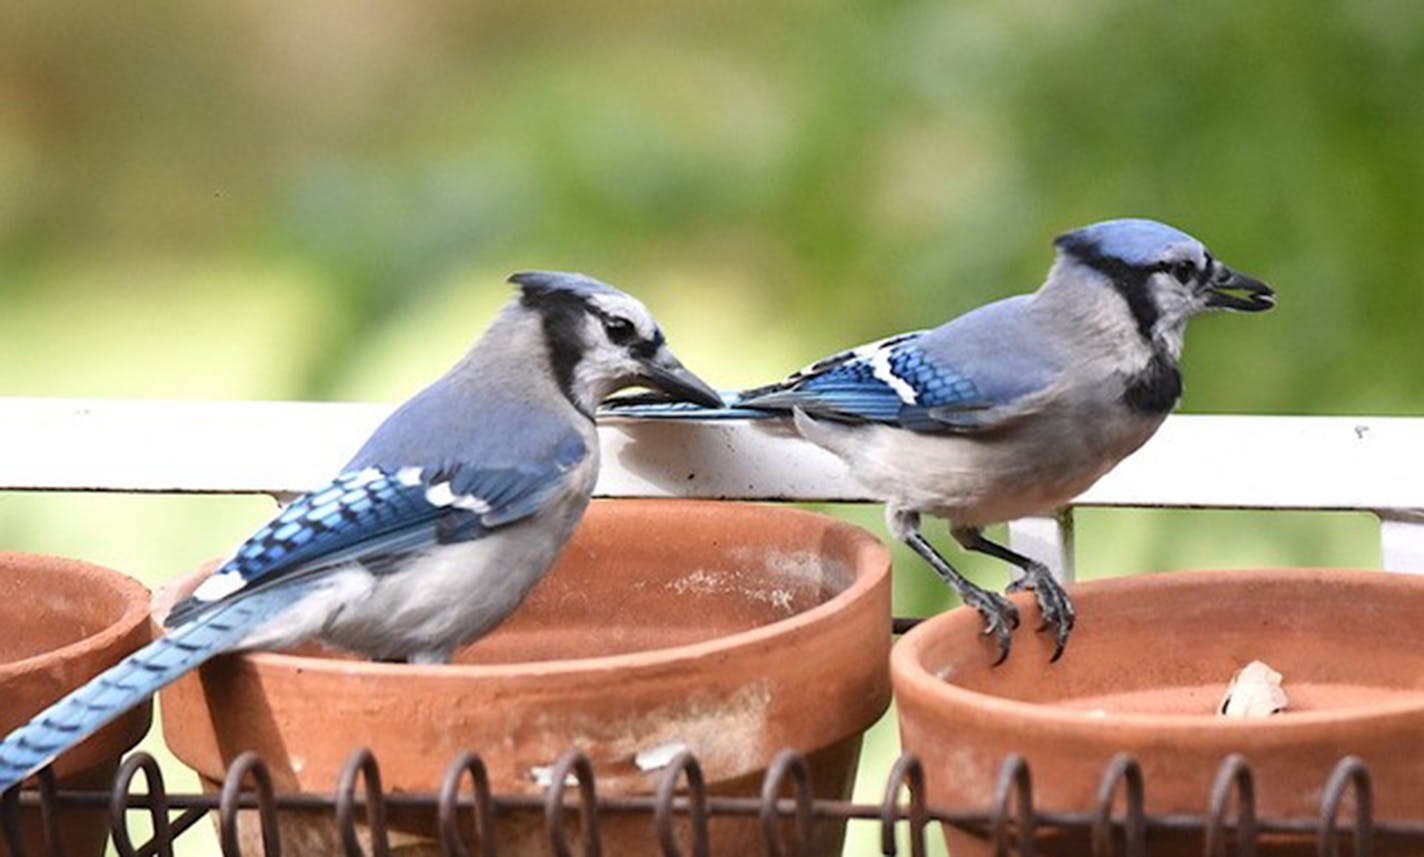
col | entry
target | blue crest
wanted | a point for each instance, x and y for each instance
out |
(553, 284)
(1134, 241)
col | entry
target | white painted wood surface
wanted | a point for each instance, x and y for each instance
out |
(1258, 462)
(1048, 538)
(1402, 541)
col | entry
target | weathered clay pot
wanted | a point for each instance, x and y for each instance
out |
(1144, 672)
(62, 622)
(736, 629)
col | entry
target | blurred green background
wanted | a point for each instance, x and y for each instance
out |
(300, 200)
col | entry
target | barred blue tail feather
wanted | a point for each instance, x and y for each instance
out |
(128, 683)
(657, 406)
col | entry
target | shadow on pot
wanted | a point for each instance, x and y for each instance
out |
(728, 629)
(65, 621)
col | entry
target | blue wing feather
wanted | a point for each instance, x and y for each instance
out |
(967, 375)
(355, 508)
(376, 515)
(896, 384)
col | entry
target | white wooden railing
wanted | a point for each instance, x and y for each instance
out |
(1373, 464)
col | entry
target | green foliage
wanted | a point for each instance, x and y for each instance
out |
(859, 168)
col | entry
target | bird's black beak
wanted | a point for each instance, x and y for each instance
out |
(1235, 291)
(663, 371)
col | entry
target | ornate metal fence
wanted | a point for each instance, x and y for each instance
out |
(466, 812)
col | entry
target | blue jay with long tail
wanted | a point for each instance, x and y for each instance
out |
(1014, 408)
(436, 530)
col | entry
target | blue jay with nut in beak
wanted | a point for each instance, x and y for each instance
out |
(436, 530)
(1015, 407)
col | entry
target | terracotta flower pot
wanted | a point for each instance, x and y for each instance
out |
(65, 621)
(1144, 672)
(736, 629)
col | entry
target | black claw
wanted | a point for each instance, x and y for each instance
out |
(1063, 625)
(1005, 638)
(1054, 605)
(1058, 644)
(996, 616)
(1001, 617)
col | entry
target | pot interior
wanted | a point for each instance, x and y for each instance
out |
(47, 603)
(640, 575)
(1170, 643)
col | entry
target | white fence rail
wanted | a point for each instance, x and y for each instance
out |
(1373, 464)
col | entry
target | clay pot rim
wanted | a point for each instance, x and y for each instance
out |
(136, 610)
(910, 678)
(867, 571)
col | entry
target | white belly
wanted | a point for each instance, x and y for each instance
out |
(979, 480)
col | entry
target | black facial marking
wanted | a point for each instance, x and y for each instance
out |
(623, 332)
(1129, 281)
(562, 315)
(620, 330)
(645, 348)
(1156, 388)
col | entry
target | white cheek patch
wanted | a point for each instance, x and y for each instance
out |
(219, 586)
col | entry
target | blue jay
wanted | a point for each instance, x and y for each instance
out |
(435, 531)
(1013, 408)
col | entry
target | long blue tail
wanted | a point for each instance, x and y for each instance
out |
(653, 406)
(129, 683)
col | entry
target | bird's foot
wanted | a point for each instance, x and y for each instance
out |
(1001, 617)
(1058, 612)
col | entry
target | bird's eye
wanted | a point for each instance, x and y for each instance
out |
(619, 330)
(1184, 271)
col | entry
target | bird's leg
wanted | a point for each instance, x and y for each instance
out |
(1052, 598)
(1001, 617)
